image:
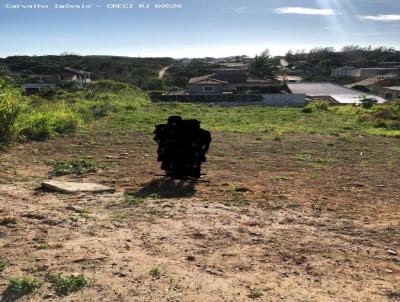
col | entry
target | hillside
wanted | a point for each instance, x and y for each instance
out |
(142, 72)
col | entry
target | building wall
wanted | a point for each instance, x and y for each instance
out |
(345, 72)
(201, 89)
(389, 94)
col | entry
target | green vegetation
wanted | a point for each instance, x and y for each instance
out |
(67, 284)
(76, 166)
(3, 265)
(254, 294)
(10, 107)
(23, 286)
(58, 112)
(121, 106)
(137, 71)
(155, 272)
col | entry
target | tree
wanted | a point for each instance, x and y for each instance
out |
(368, 102)
(262, 65)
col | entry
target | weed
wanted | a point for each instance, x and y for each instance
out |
(293, 205)
(133, 200)
(278, 178)
(23, 285)
(303, 156)
(152, 211)
(43, 245)
(77, 166)
(67, 284)
(327, 254)
(3, 265)
(237, 202)
(155, 272)
(254, 294)
(74, 218)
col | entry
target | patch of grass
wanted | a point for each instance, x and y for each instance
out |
(327, 255)
(3, 265)
(278, 178)
(304, 156)
(237, 203)
(152, 211)
(43, 245)
(23, 286)
(394, 293)
(74, 218)
(67, 284)
(293, 205)
(155, 273)
(254, 294)
(76, 166)
(119, 215)
(133, 200)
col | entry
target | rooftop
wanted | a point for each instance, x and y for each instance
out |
(76, 71)
(339, 94)
(394, 88)
(319, 89)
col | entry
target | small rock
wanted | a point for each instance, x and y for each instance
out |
(391, 252)
(389, 271)
(76, 209)
(75, 187)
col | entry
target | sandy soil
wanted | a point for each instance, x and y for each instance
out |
(308, 218)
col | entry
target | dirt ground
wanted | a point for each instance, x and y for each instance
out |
(307, 218)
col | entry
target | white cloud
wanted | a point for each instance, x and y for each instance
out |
(382, 18)
(305, 11)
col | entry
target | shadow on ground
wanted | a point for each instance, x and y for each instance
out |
(167, 188)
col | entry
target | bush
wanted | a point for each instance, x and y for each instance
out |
(10, 108)
(23, 286)
(42, 122)
(107, 86)
(67, 284)
(36, 127)
(316, 105)
(368, 102)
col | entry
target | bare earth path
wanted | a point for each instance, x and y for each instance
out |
(308, 218)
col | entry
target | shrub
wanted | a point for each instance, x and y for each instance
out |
(368, 102)
(10, 108)
(37, 127)
(3, 265)
(23, 285)
(107, 86)
(77, 166)
(316, 105)
(67, 284)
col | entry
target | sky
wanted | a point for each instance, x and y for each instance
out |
(195, 28)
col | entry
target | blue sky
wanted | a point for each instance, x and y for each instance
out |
(200, 28)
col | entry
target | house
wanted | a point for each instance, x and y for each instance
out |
(354, 72)
(80, 77)
(289, 79)
(346, 71)
(330, 92)
(34, 88)
(390, 93)
(45, 82)
(228, 80)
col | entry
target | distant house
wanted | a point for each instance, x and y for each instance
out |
(80, 77)
(346, 71)
(354, 72)
(34, 88)
(45, 82)
(330, 92)
(224, 81)
(390, 93)
(289, 79)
